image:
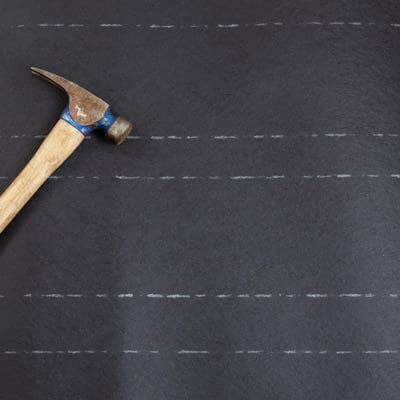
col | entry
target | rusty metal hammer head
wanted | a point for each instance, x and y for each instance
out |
(86, 112)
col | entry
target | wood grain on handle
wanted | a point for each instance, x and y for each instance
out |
(55, 149)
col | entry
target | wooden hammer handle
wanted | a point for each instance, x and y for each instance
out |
(55, 149)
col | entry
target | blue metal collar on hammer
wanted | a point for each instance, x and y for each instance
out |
(104, 124)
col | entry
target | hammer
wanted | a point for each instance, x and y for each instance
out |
(84, 113)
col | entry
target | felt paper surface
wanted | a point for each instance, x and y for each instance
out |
(243, 243)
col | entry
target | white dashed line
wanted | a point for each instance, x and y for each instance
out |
(289, 352)
(179, 296)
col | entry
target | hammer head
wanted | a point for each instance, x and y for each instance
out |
(86, 112)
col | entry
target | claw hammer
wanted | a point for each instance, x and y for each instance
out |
(84, 113)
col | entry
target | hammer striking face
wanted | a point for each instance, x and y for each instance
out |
(85, 112)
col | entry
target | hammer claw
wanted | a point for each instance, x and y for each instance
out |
(84, 106)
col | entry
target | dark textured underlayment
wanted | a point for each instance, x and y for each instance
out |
(244, 243)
